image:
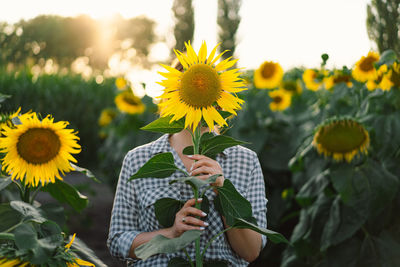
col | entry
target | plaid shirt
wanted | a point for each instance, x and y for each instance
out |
(133, 210)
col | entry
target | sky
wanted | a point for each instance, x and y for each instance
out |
(291, 32)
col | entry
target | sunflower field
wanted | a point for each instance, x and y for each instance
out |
(327, 139)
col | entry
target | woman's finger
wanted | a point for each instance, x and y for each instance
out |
(191, 202)
(194, 221)
(203, 162)
(192, 211)
(203, 170)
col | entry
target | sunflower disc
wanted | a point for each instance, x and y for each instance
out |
(341, 139)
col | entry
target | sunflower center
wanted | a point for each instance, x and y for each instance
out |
(131, 100)
(200, 86)
(342, 137)
(38, 145)
(367, 64)
(277, 99)
(268, 70)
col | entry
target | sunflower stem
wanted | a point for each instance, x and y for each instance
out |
(26, 194)
(35, 193)
(196, 144)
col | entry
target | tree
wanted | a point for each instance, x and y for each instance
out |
(383, 23)
(184, 25)
(228, 21)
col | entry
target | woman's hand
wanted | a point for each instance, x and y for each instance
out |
(185, 221)
(205, 167)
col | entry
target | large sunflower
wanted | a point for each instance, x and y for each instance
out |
(268, 75)
(281, 100)
(341, 139)
(37, 151)
(365, 69)
(129, 103)
(201, 88)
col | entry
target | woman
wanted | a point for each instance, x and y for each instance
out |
(133, 220)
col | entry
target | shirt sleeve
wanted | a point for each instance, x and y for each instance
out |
(124, 225)
(256, 195)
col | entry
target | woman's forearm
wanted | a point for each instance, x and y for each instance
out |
(245, 242)
(146, 237)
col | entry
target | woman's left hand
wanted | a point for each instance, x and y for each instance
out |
(205, 167)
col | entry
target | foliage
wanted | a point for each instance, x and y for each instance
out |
(383, 24)
(28, 235)
(64, 39)
(228, 21)
(184, 22)
(337, 213)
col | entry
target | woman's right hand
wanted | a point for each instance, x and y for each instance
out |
(185, 220)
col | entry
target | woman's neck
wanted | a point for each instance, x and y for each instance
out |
(182, 139)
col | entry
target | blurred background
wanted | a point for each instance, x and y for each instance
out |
(95, 65)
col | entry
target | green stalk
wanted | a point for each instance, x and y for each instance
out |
(196, 143)
(26, 197)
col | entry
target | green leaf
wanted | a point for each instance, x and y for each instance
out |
(231, 204)
(195, 182)
(166, 209)
(85, 253)
(7, 236)
(163, 125)
(252, 224)
(160, 166)
(41, 241)
(178, 262)
(4, 182)
(68, 194)
(161, 244)
(310, 190)
(28, 212)
(387, 57)
(213, 146)
(343, 222)
(86, 172)
(9, 217)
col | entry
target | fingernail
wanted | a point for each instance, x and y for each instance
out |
(202, 228)
(191, 168)
(190, 156)
(199, 199)
(206, 223)
(203, 214)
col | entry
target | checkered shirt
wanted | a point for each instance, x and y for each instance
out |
(133, 210)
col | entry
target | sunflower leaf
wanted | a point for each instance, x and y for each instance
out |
(4, 182)
(66, 193)
(86, 172)
(164, 125)
(250, 223)
(195, 182)
(161, 244)
(231, 204)
(160, 166)
(217, 144)
(165, 210)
